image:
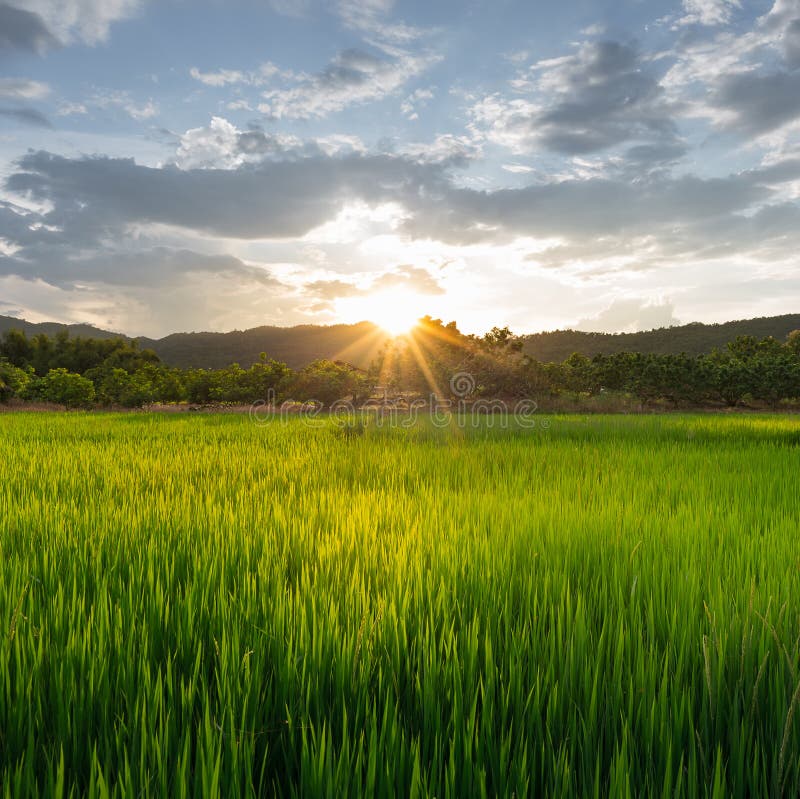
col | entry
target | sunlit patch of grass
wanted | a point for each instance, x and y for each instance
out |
(201, 605)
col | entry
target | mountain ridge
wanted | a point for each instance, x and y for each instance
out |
(359, 343)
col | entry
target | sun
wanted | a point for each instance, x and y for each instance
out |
(395, 316)
(397, 312)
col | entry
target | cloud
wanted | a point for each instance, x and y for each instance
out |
(791, 43)
(708, 12)
(415, 101)
(26, 116)
(445, 149)
(369, 17)
(353, 77)
(332, 289)
(758, 103)
(84, 20)
(231, 77)
(631, 315)
(265, 200)
(221, 145)
(70, 109)
(404, 277)
(595, 99)
(163, 266)
(220, 78)
(743, 83)
(22, 89)
(139, 111)
(635, 225)
(410, 277)
(21, 29)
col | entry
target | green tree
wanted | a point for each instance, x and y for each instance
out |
(68, 388)
(13, 381)
(329, 381)
(16, 348)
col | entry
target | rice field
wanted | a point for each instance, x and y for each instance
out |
(197, 605)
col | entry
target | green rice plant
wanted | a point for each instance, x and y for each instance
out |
(194, 604)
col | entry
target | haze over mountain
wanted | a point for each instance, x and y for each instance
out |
(360, 343)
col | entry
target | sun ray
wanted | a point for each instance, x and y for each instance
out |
(422, 362)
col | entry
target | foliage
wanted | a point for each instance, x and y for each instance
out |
(65, 388)
(329, 381)
(13, 381)
(747, 372)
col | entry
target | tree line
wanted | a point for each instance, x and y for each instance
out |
(82, 372)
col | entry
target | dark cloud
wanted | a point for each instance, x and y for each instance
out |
(157, 266)
(267, 200)
(653, 156)
(760, 102)
(27, 116)
(595, 209)
(791, 44)
(600, 97)
(94, 200)
(23, 30)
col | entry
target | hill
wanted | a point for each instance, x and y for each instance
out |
(359, 343)
(296, 346)
(51, 328)
(693, 339)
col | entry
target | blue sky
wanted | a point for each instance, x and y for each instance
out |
(168, 165)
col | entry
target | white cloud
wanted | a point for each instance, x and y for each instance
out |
(221, 78)
(708, 12)
(370, 18)
(353, 77)
(70, 109)
(230, 77)
(85, 20)
(22, 89)
(518, 169)
(221, 145)
(415, 101)
(139, 111)
(445, 148)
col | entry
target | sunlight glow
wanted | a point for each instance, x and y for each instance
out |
(396, 311)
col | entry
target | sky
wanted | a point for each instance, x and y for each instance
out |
(168, 165)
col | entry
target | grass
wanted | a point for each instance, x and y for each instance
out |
(200, 605)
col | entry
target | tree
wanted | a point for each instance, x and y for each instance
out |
(68, 388)
(13, 381)
(793, 343)
(16, 348)
(329, 381)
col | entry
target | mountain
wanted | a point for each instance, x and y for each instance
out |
(359, 344)
(51, 328)
(297, 346)
(693, 339)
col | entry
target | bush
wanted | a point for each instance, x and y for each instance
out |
(13, 381)
(68, 389)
